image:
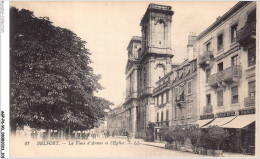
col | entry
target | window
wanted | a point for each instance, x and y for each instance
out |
(208, 72)
(162, 99)
(220, 42)
(175, 112)
(220, 98)
(189, 110)
(167, 96)
(157, 116)
(167, 115)
(251, 56)
(220, 66)
(234, 60)
(176, 91)
(161, 116)
(208, 46)
(208, 96)
(234, 91)
(233, 33)
(157, 100)
(251, 86)
(189, 87)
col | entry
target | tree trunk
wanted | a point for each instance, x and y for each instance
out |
(69, 133)
(48, 134)
(13, 130)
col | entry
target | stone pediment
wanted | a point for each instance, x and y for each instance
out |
(130, 63)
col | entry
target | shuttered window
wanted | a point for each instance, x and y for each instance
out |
(220, 98)
(189, 87)
(167, 115)
(251, 86)
(251, 56)
(234, 91)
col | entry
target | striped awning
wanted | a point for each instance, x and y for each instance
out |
(240, 121)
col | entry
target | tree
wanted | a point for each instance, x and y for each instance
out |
(51, 83)
(217, 135)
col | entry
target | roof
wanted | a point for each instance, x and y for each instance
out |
(221, 19)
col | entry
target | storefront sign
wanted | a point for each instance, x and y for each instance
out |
(226, 114)
(207, 116)
(247, 111)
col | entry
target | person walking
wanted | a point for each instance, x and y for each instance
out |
(127, 135)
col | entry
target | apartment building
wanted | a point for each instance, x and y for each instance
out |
(226, 75)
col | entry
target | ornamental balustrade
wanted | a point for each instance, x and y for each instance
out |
(249, 102)
(246, 33)
(229, 75)
(161, 87)
(207, 109)
(204, 60)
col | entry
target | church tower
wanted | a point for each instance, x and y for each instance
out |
(154, 60)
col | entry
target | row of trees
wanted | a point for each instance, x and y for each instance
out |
(52, 85)
(210, 138)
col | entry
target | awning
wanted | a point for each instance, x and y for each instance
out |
(220, 121)
(204, 122)
(240, 121)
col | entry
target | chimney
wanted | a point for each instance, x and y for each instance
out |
(191, 46)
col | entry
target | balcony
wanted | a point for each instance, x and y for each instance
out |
(207, 109)
(146, 91)
(249, 102)
(247, 34)
(227, 76)
(180, 99)
(161, 105)
(204, 60)
(161, 87)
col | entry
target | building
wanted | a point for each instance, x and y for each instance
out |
(215, 85)
(131, 72)
(226, 75)
(153, 62)
(117, 120)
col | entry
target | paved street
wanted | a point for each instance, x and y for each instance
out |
(109, 147)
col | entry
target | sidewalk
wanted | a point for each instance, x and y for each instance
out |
(162, 145)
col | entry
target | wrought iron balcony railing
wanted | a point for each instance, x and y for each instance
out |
(204, 60)
(207, 109)
(228, 75)
(249, 102)
(161, 87)
(246, 33)
(180, 99)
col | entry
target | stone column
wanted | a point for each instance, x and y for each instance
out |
(134, 121)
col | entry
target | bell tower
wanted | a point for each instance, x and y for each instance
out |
(156, 30)
(154, 61)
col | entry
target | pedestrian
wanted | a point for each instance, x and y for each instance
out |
(127, 135)
(130, 135)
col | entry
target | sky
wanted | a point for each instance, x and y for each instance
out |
(107, 27)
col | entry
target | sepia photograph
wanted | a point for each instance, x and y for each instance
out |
(133, 79)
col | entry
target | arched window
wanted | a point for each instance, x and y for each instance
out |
(160, 71)
(160, 31)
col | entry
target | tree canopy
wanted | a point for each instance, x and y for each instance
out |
(51, 82)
